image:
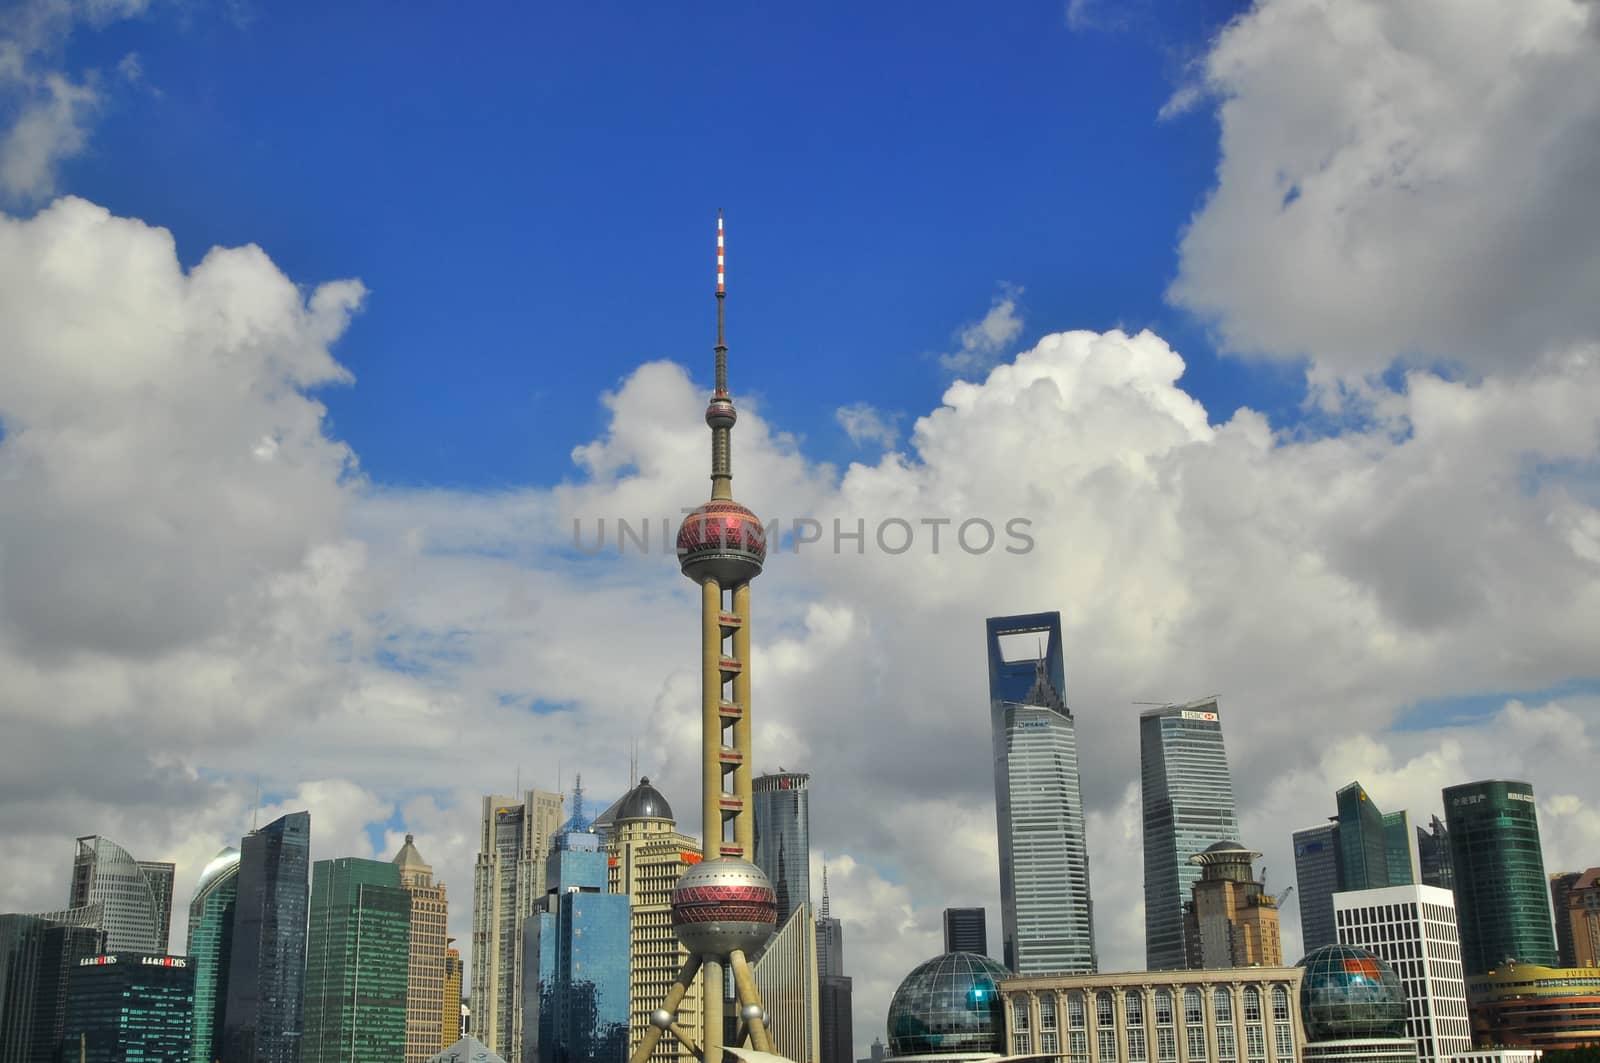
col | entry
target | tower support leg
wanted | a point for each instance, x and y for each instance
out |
(744, 984)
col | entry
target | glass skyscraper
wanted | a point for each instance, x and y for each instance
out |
(1316, 877)
(135, 916)
(358, 962)
(37, 953)
(1363, 848)
(1402, 862)
(1187, 797)
(1046, 913)
(1433, 855)
(783, 837)
(581, 945)
(267, 967)
(966, 930)
(128, 1007)
(211, 949)
(1501, 902)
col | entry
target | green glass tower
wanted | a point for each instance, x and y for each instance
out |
(1363, 844)
(358, 954)
(211, 949)
(1501, 904)
(1397, 848)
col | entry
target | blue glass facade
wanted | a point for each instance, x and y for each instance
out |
(1046, 914)
(130, 1008)
(266, 971)
(783, 837)
(1316, 877)
(582, 950)
(1186, 793)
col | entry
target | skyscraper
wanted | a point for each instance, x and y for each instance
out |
(1397, 849)
(507, 887)
(1433, 855)
(783, 837)
(103, 873)
(127, 1006)
(267, 968)
(210, 949)
(966, 930)
(646, 855)
(1046, 912)
(430, 913)
(1363, 844)
(1316, 877)
(835, 1019)
(1361, 848)
(1187, 797)
(1414, 929)
(830, 937)
(786, 973)
(358, 957)
(1501, 899)
(835, 991)
(581, 953)
(450, 1020)
(37, 954)
(1232, 921)
(1575, 899)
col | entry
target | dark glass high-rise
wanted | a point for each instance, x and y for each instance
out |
(266, 971)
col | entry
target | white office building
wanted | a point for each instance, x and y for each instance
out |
(1413, 928)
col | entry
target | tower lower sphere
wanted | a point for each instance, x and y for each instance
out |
(723, 905)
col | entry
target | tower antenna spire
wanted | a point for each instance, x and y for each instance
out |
(720, 414)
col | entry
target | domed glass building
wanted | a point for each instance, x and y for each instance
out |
(949, 1005)
(1353, 1007)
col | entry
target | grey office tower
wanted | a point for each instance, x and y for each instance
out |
(1045, 908)
(1187, 797)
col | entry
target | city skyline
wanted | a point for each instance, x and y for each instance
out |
(324, 325)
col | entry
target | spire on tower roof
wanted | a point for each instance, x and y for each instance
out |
(824, 910)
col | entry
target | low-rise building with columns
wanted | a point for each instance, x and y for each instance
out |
(1229, 1015)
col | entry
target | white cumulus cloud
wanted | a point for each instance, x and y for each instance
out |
(1410, 181)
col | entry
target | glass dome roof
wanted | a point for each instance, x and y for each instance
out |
(1349, 994)
(949, 1004)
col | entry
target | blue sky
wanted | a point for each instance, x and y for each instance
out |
(528, 194)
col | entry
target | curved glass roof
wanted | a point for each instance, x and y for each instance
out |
(950, 1003)
(1350, 994)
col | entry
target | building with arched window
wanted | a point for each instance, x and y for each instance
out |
(1237, 1015)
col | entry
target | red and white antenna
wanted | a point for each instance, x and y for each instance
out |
(720, 290)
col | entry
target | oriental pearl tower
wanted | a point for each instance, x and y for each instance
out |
(722, 908)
